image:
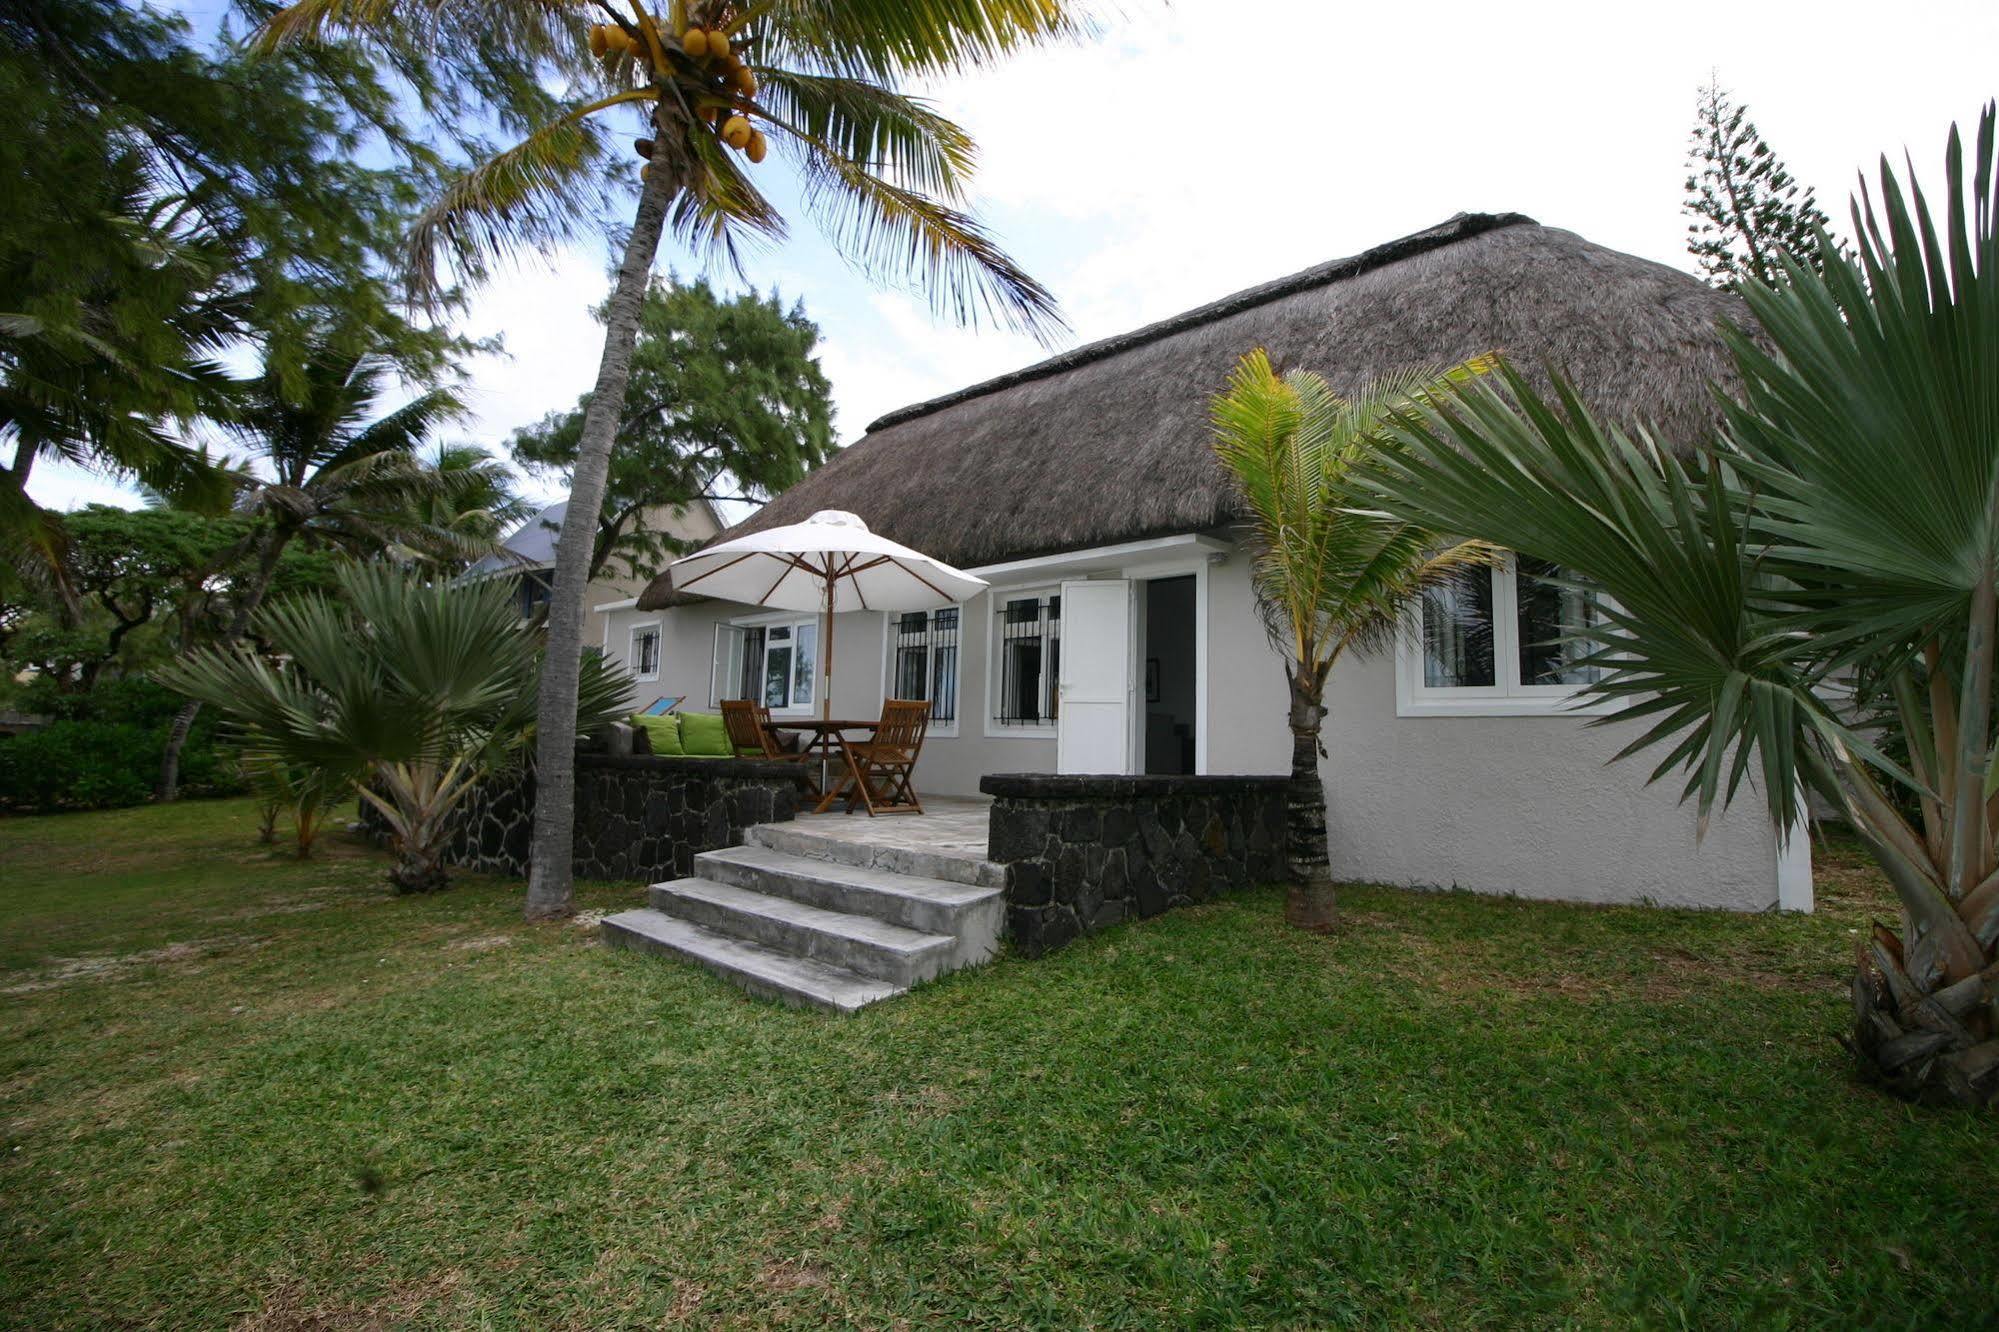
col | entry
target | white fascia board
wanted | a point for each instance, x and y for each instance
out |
(1105, 558)
(629, 603)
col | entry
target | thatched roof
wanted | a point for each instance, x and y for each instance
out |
(1110, 442)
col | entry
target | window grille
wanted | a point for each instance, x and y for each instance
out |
(924, 660)
(1030, 660)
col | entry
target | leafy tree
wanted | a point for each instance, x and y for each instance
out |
(415, 690)
(330, 467)
(152, 582)
(170, 200)
(726, 401)
(1823, 578)
(1748, 211)
(145, 568)
(1330, 576)
(881, 170)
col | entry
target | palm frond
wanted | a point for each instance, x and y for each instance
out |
(889, 40)
(531, 196)
(895, 136)
(901, 236)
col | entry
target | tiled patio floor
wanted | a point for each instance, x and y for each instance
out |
(950, 826)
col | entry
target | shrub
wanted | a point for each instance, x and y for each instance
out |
(78, 765)
(101, 750)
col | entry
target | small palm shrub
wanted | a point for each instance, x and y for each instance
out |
(408, 691)
(1330, 576)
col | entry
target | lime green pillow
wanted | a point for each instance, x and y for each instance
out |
(662, 732)
(705, 735)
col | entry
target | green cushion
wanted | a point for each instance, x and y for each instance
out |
(662, 732)
(705, 735)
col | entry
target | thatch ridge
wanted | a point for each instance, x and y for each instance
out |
(1111, 442)
(1452, 229)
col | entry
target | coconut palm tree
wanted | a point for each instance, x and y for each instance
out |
(721, 83)
(326, 465)
(1810, 601)
(414, 690)
(1329, 576)
(471, 502)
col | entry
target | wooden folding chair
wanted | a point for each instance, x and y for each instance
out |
(880, 768)
(751, 736)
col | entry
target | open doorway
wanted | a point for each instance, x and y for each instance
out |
(1168, 664)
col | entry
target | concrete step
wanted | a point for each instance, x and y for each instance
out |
(858, 943)
(799, 981)
(969, 912)
(798, 839)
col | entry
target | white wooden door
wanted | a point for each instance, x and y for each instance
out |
(1093, 728)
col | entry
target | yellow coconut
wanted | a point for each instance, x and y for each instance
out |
(599, 42)
(718, 44)
(758, 146)
(709, 114)
(743, 81)
(645, 172)
(736, 131)
(695, 43)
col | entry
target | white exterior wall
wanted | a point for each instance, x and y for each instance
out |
(1529, 805)
(1504, 804)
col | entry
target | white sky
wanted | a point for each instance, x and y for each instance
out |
(1199, 149)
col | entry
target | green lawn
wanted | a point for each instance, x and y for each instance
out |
(239, 1090)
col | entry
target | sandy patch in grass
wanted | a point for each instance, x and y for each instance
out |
(485, 943)
(278, 909)
(289, 1308)
(111, 966)
(791, 1274)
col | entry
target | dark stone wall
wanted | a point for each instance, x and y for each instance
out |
(637, 817)
(1085, 852)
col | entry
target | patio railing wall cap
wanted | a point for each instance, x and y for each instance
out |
(1085, 786)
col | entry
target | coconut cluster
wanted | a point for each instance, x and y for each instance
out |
(730, 79)
(730, 84)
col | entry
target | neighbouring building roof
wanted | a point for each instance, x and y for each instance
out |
(1110, 442)
(532, 545)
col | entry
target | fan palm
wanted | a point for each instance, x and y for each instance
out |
(1329, 577)
(1814, 595)
(880, 170)
(417, 691)
(327, 466)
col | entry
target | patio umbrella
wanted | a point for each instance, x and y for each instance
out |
(830, 562)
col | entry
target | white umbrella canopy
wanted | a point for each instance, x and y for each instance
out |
(830, 562)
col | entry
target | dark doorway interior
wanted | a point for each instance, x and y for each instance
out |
(1168, 685)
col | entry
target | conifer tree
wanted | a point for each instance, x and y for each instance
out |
(1746, 207)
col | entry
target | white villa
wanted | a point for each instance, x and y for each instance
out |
(1120, 634)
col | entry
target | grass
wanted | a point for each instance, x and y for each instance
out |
(237, 1090)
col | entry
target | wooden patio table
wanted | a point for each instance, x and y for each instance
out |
(824, 740)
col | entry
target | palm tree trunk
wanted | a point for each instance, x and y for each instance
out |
(551, 892)
(1310, 903)
(270, 545)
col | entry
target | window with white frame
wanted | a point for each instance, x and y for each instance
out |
(774, 662)
(1498, 640)
(644, 658)
(923, 661)
(1027, 658)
